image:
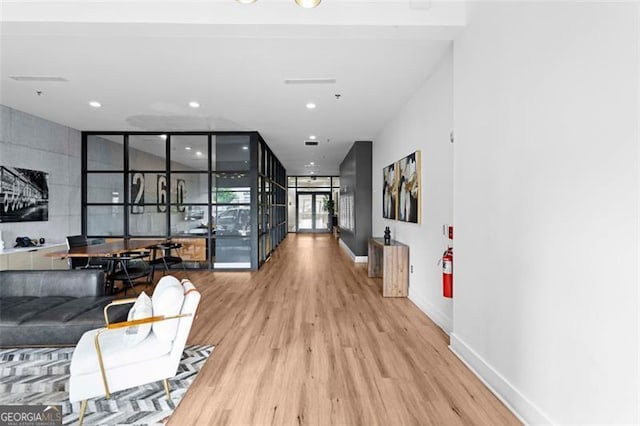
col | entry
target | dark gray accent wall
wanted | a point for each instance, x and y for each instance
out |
(355, 181)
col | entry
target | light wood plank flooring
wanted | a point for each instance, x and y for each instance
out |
(309, 340)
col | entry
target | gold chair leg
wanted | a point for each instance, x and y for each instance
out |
(166, 388)
(83, 407)
(101, 363)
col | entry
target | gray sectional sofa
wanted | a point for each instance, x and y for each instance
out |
(52, 308)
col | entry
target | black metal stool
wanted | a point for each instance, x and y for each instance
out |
(129, 267)
(167, 260)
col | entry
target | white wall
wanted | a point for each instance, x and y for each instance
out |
(546, 207)
(425, 124)
(31, 142)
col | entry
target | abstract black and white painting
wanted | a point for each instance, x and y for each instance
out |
(409, 188)
(24, 195)
(390, 191)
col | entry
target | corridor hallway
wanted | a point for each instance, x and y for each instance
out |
(309, 340)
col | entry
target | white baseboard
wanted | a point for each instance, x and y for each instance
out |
(436, 315)
(232, 265)
(522, 407)
(356, 259)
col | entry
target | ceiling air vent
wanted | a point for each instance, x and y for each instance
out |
(37, 78)
(311, 143)
(310, 81)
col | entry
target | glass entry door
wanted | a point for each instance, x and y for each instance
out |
(312, 215)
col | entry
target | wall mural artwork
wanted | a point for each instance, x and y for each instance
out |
(390, 191)
(137, 193)
(161, 185)
(24, 195)
(409, 205)
(180, 192)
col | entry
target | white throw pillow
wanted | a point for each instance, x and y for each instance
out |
(143, 308)
(167, 301)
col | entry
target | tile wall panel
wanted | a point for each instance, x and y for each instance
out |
(30, 142)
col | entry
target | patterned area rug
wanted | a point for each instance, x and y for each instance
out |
(41, 376)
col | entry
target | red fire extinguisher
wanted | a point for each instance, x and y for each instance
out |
(447, 273)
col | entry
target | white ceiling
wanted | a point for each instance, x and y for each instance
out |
(145, 74)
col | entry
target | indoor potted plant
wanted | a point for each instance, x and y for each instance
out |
(329, 206)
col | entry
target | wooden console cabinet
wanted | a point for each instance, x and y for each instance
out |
(392, 264)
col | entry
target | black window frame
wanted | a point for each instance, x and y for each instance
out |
(271, 205)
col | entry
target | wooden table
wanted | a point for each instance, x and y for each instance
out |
(104, 250)
(114, 255)
(392, 264)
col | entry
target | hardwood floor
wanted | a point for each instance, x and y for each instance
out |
(309, 340)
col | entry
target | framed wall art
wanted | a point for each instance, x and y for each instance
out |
(390, 191)
(409, 206)
(24, 195)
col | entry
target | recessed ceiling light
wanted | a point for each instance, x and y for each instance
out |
(194, 104)
(311, 105)
(188, 148)
(312, 137)
(307, 4)
(95, 104)
(311, 172)
(198, 153)
(312, 163)
(245, 148)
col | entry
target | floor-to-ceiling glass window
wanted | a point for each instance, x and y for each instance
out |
(292, 211)
(183, 196)
(146, 170)
(231, 188)
(310, 199)
(199, 189)
(272, 199)
(104, 188)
